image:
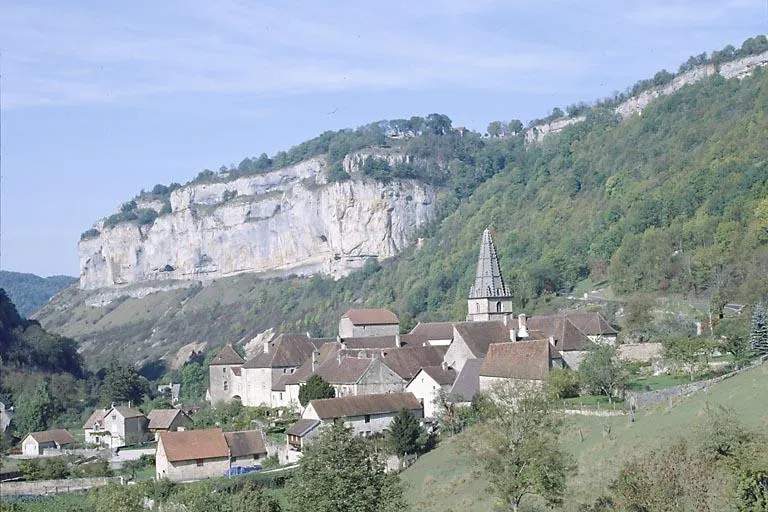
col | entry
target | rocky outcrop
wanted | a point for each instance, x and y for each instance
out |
(288, 221)
(538, 132)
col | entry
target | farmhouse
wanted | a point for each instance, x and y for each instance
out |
(37, 443)
(523, 365)
(225, 373)
(167, 420)
(368, 322)
(427, 385)
(245, 448)
(301, 433)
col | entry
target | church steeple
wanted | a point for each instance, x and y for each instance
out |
(489, 298)
(488, 280)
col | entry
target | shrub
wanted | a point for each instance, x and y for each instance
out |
(337, 173)
(563, 383)
(146, 216)
(90, 233)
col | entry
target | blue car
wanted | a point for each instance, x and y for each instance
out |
(242, 470)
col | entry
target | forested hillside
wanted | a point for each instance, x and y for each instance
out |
(29, 291)
(671, 202)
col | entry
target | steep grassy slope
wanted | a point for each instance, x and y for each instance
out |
(443, 479)
(674, 201)
(29, 291)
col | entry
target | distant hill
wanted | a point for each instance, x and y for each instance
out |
(29, 291)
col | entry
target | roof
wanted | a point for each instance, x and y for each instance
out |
(479, 335)
(227, 355)
(284, 350)
(127, 412)
(443, 376)
(162, 418)
(194, 444)
(96, 416)
(373, 316)
(407, 361)
(247, 442)
(433, 330)
(360, 405)
(467, 382)
(59, 436)
(566, 335)
(302, 427)
(488, 280)
(592, 324)
(518, 360)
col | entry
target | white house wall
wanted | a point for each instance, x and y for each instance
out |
(426, 390)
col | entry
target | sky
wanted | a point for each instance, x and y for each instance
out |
(103, 99)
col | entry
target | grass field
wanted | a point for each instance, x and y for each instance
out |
(443, 480)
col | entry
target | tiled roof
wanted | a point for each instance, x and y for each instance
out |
(284, 350)
(247, 442)
(371, 316)
(194, 444)
(566, 335)
(59, 436)
(227, 355)
(96, 417)
(407, 361)
(162, 418)
(360, 405)
(479, 335)
(434, 330)
(467, 382)
(443, 376)
(518, 360)
(375, 342)
(592, 324)
(302, 427)
(128, 412)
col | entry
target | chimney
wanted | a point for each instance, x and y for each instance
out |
(398, 343)
(444, 365)
(338, 356)
(266, 347)
(512, 336)
(522, 326)
(315, 357)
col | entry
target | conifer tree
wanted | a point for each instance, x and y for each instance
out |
(404, 433)
(315, 388)
(758, 333)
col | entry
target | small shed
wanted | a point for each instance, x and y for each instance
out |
(35, 443)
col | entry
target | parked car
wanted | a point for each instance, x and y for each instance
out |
(242, 470)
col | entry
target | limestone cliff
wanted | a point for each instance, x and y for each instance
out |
(288, 221)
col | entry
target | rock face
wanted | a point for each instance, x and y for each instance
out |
(288, 221)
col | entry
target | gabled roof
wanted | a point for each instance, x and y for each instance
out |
(226, 356)
(407, 361)
(244, 443)
(467, 382)
(194, 444)
(518, 360)
(284, 350)
(372, 316)
(162, 418)
(433, 330)
(360, 405)
(59, 436)
(566, 335)
(488, 280)
(480, 335)
(592, 324)
(302, 427)
(442, 376)
(126, 412)
(96, 416)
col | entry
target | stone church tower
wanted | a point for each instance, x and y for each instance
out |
(489, 298)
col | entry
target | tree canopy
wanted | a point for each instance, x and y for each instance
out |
(315, 388)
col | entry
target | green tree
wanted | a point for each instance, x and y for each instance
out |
(602, 372)
(692, 353)
(194, 381)
(340, 473)
(758, 331)
(563, 383)
(122, 384)
(733, 337)
(35, 411)
(495, 129)
(518, 449)
(404, 433)
(315, 388)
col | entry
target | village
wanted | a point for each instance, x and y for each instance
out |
(375, 373)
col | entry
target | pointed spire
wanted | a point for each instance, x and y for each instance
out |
(488, 280)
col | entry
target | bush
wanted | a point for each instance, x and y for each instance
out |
(90, 233)
(336, 173)
(146, 216)
(563, 383)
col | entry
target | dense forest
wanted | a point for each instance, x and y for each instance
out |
(28, 291)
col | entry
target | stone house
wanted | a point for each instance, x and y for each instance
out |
(472, 339)
(94, 427)
(427, 385)
(467, 383)
(368, 322)
(121, 426)
(433, 333)
(366, 415)
(167, 420)
(301, 433)
(407, 361)
(225, 373)
(523, 365)
(36, 443)
(196, 454)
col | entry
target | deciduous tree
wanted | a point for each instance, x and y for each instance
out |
(602, 373)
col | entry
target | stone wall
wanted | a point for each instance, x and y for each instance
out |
(43, 487)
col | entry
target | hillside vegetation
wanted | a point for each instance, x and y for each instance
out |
(29, 291)
(443, 479)
(673, 202)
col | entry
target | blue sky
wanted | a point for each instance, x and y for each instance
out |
(102, 99)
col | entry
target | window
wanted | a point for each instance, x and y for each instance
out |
(255, 456)
(367, 418)
(225, 385)
(281, 396)
(498, 307)
(224, 370)
(199, 463)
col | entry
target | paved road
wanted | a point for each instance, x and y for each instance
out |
(117, 460)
